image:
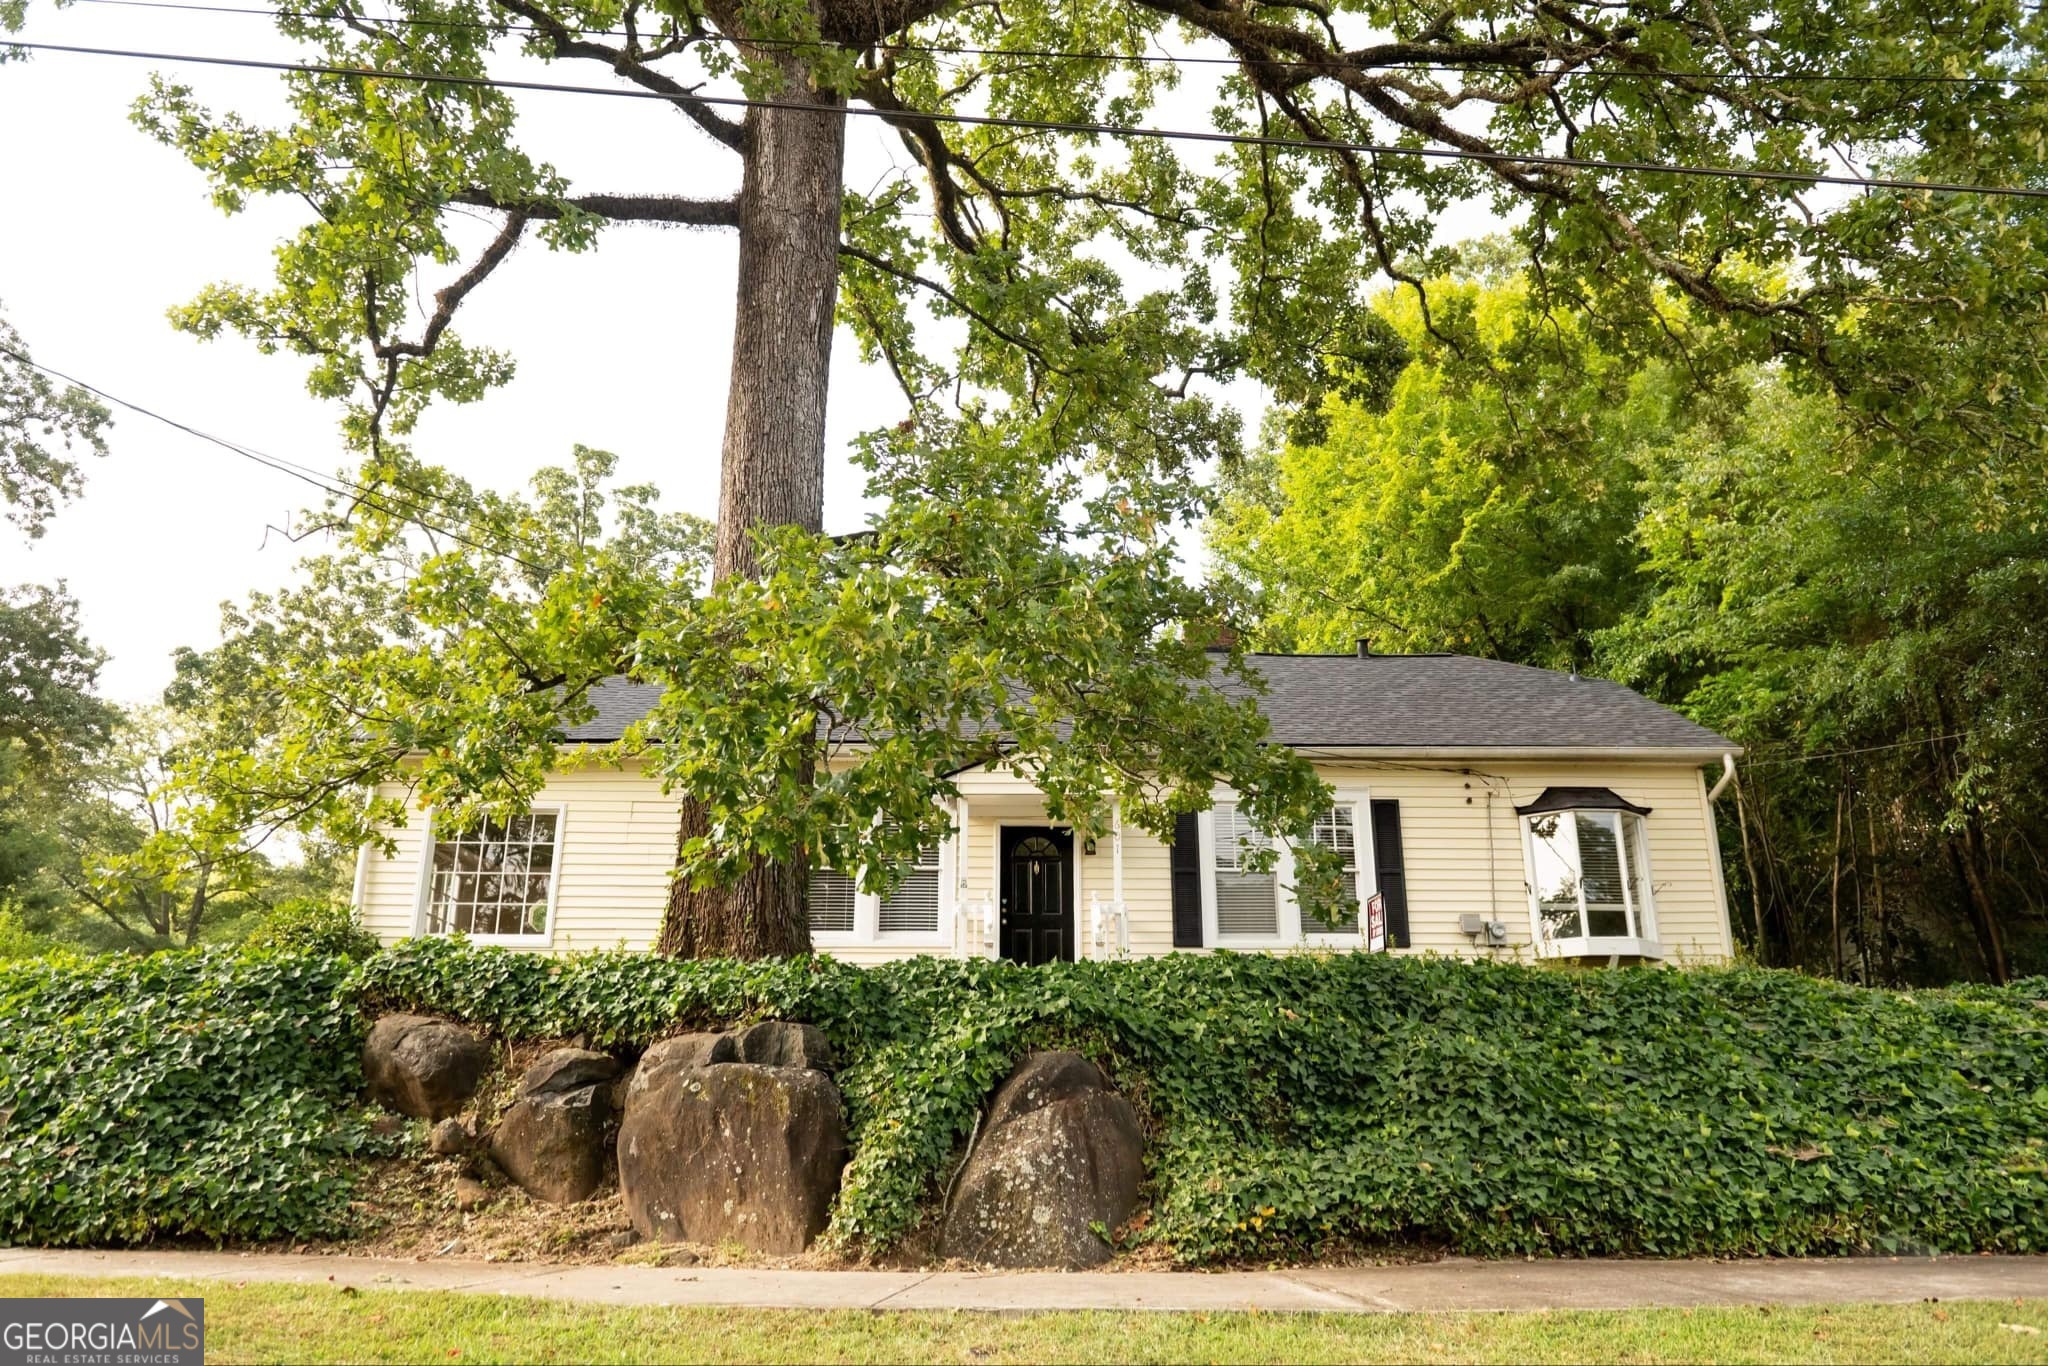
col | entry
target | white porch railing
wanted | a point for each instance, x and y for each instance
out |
(1109, 929)
(974, 929)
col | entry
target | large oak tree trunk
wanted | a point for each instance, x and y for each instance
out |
(774, 457)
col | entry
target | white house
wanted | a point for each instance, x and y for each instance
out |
(1496, 809)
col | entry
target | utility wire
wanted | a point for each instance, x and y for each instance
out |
(1167, 58)
(1866, 749)
(339, 486)
(1062, 126)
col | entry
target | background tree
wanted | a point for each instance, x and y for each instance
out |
(1254, 263)
(43, 425)
(48, 672)
(1484, 502)
(52, 724)
(1849, 598)
(102, 851)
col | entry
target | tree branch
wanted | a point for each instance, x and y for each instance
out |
(667, 209)
(628, 64)
(908, 276)
(447, 300)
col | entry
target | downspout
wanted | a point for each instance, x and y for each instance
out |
(1714, 851)
(355, 896)
(1727, 777)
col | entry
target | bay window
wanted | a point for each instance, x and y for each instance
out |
(1589, 885)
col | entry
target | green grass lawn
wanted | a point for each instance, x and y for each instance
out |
(266, 1323)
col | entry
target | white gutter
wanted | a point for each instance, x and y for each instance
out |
(1676, 754)
(1727, 777)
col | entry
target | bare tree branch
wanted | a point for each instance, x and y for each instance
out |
(628, 63)
(668, 209)
(447, 300)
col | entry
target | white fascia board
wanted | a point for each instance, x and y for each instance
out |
(1674, 754)
(1636, 754)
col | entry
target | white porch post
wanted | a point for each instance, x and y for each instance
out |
(960, 845)
(1116, 852)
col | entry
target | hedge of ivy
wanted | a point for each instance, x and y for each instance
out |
(1299, 1101)
(1295, 1102)
(208, 1094)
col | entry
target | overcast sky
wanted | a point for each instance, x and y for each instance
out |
(624, 348)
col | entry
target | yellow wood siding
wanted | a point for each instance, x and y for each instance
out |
(617, 844)
(1463, 855)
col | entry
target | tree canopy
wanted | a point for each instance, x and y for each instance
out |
(1057, 298)
(44, 424)
(1859, 610)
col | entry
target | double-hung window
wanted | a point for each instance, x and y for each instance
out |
(1589, 884)
(495, 880)
(841, 913)
(1252, 906)
(1337, 829)
(913, 908)
(833, 898)
(1247, 899)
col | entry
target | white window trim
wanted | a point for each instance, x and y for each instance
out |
(867, 912)
(1288, 910)
(1642, 944)
(560, 811)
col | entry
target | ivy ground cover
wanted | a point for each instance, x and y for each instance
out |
(1296, 1105)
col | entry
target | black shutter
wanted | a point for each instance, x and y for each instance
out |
(1386, 860)
(1187, 882)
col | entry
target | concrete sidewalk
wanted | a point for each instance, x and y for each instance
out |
(1453, 1284)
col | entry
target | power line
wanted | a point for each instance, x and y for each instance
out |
(1168, 58)
(1866, 749)
(339, 487)
(1811, 178)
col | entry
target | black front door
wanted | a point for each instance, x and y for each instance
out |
(1038, 894)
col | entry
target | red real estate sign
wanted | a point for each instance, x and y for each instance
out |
(1376, 923)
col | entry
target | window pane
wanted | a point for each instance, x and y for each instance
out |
(1600, 870)
(1235, 838)
(832, 895)
(1246, 903)
(536, 919)
(1333, 830)
(494, 880)
(913, 908)
(1633, 831)
(1557, 876)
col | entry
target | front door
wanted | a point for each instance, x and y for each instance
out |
(1038, 894)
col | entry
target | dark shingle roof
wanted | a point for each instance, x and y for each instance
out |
(1458, 701)
(1385, 701)
(619, 702)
